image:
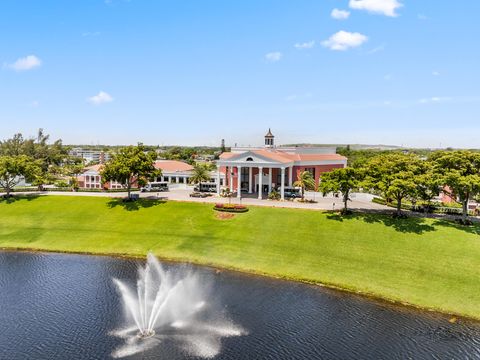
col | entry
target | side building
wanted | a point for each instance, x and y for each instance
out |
(173, 172)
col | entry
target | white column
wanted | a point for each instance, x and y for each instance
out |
(260, 180)
(178, 180)
(230, 170)
(282, 186)
(218, 181)
(290, 176)
(250, 179)
(269, 180)
(239, 182)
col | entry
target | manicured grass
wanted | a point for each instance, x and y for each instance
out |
(428, 263)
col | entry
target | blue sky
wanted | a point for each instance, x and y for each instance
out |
(401, 72)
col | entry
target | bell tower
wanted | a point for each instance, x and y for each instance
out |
(269, 139)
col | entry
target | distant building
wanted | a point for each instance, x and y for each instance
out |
(261, 169)
(91, 179)
(90, 156)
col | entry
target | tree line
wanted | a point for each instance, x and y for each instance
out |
(35, 160)
(40, 162)
(397, 176)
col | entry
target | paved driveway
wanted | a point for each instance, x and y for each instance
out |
(359, 201)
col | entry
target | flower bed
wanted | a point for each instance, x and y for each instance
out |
(234, 208)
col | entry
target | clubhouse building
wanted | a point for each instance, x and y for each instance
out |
(258, 170)
(243, 170)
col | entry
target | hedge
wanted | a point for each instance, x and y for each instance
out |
(230, 208)
(421, 208)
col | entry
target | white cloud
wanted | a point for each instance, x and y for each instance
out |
(343, 40)
(340, 14)
(305, 45)
(34, 104)
(26, 63)
(101, 98)
(422, 17)
(384, 7)
(377, 49)
(434, 99)
(273, 56)
(89, 33)
(293, 97)
(388, 77)
(436, 73)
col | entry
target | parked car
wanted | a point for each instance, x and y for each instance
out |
(206, 187)
(155, 187)
(292, 193)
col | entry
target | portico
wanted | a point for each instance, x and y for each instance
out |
(251, 173)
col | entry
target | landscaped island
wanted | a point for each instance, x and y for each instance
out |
(428, 263)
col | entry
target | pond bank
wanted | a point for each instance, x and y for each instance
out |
(425, 263)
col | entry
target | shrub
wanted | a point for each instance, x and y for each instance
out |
(61, 184)
(274, 195)
(308, 201)
(235, 208)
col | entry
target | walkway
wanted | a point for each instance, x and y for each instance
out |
(359, 201)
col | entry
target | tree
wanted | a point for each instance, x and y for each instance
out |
(72, 168)
(131, 164)
(460, 175)
(13, 168)
(199, 175)
(342, 181)
(393, 175)
(48, 157)
(305, 182)
(428, 183)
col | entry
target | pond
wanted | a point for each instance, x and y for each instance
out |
(58, 306)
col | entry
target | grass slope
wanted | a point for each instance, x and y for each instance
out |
(427, 263)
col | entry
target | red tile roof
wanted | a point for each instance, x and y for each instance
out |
(284, 157)
(227, 155)
(172, 165)
(95, 168)
(274, 155)
(320, 157)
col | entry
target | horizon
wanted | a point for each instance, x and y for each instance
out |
(119, 72)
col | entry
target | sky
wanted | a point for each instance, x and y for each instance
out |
(193, 72)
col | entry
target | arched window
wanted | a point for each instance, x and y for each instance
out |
(249, 159)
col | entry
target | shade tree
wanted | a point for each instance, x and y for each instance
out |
(132, 164)
(460, 175)
(394, 176)
(341, 182)
(14, 168)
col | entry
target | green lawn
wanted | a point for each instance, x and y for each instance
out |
(428, 263)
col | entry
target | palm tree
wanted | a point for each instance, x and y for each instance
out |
(200, 174)
(305, 181)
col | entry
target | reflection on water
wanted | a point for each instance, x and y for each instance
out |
(55, 306)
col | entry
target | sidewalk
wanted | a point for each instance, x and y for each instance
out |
(359, 201)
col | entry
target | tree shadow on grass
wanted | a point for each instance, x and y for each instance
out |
(413, 225)
(17, 198)
(136, 205)
(471, 229)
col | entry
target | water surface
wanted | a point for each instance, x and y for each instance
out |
(56, 306)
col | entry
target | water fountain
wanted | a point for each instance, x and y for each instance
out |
(171, 305)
